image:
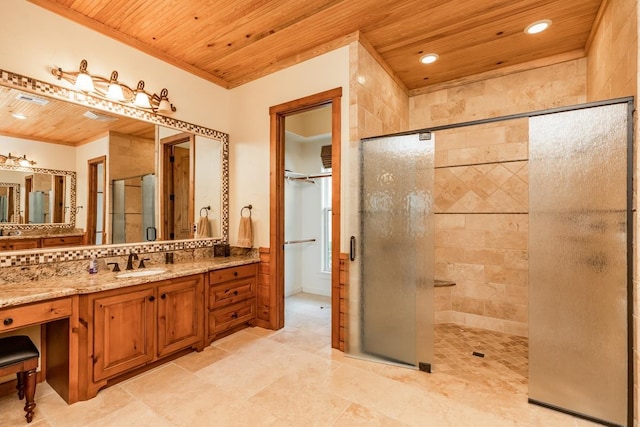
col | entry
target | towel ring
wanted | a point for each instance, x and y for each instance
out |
(206, 210)
(246, 207)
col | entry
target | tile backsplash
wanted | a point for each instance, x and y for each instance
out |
(48, 256)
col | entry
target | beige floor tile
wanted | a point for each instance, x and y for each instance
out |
(302, 339)
(371, 390)
(195, 361)
(261, 332)
(177, 394)
(239, 413)
(135, 414)
(308, 405)
(81, 414)
(357, 415)
(292, 378)
(238, 376)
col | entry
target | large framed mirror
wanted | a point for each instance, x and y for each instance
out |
(64, 139)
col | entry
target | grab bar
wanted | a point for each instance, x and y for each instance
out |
(291, 242)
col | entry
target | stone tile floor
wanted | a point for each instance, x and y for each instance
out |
(292, 377)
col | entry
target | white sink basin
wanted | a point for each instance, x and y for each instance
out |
(141, 273)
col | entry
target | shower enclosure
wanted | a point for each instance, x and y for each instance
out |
(579, 257)
(395, 299)
(133, 209)
(579, 261)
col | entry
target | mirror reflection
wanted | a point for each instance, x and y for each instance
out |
(122, 178)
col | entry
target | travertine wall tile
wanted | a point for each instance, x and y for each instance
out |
(382, 107)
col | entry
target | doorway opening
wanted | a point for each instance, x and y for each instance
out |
(177, 195)
(96, 201)
(305, 208)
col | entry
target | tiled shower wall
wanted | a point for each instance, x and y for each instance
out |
(481, 191)
(481, 206)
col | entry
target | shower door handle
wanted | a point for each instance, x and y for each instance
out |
(352, 248)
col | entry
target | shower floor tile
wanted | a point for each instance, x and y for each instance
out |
(500, 359)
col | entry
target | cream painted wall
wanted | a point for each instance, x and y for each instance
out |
(34, 40)
(249, 129)
(84, 153)
(49, 156)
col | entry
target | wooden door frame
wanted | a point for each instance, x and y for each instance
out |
(277, 114)
(92, 203)
(58, 199)
(166, 145)
(28, 186)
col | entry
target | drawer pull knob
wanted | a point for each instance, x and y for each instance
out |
(235, 292)
(8, 321)
(234, 316)
(152, 298)
(163, 296)
(235, 273)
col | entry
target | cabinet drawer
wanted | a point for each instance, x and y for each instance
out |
(226, 318)
(19, 244)
(218, 276)
(48, 242)
(32, 314)
(232, 292)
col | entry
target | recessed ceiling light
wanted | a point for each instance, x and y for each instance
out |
(19, 116)
(538, 26)
(429, 58)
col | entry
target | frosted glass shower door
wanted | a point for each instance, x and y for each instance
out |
(393, 319)
(578, 356)
(149, 207)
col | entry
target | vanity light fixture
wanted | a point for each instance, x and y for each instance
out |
(429, 58)
(15, 161)
(538, 26)
(114, 90)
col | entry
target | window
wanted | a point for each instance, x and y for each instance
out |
(326, 222)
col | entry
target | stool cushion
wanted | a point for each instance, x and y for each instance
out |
(16, 349)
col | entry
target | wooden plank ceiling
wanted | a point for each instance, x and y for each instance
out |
(61, 122)
(232, 42)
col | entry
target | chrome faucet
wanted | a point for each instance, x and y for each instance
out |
(130, 259)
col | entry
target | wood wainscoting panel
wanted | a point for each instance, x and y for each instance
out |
(264, 284)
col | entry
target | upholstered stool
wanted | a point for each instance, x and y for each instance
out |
(19, 356)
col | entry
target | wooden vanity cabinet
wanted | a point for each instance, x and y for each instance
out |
(123, 326)
(19, 244)
(51, 242)
(180, 314)
(231, 300)
(40, 242)
(129, 328)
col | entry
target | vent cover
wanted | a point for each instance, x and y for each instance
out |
(93, 115)
(32, 99)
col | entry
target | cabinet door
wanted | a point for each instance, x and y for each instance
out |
(123, 332)
(180, 318)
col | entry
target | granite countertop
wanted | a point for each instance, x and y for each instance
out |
(17, 293)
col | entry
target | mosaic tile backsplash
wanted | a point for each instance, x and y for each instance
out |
(48, 256)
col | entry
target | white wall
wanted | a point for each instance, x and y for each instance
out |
(303, 220)
(34, 40)
(83, 154)
(249, 130)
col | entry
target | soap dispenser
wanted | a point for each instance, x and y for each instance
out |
(93, 266)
